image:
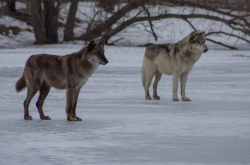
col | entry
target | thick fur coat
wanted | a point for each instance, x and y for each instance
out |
(172, 59)
(68, 72)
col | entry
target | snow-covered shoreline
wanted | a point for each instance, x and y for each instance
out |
(167, 30)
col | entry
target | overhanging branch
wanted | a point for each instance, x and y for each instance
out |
(150, 23)
(219, 43)
(164, 16)
(229, 34)
(190, 24)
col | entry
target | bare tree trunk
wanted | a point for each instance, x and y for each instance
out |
(11, 5)
(69, 27)
(247, 3)
(51, 12)
(28, 4)
(37, 22)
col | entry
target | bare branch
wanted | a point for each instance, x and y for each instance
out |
(222, 32)
(213, 9)
(115, 41)
(190, 24)
(92, 20)
(219, 43)
(150, 22)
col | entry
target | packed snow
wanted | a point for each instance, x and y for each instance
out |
(119, 126)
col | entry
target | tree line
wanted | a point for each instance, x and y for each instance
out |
(117, 15)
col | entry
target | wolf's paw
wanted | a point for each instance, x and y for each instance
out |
(70, 118)
(148, 98)
(186, 99)
(45, 118)
(28, 118)
(78, 119)
(175, 99)
(157, 97)
(73, 118)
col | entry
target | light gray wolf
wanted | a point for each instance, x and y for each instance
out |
(69, 72)
(172, 59)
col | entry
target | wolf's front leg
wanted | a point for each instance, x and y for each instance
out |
(69, 104)
(76, 94)
(175, 86)
(183, 79)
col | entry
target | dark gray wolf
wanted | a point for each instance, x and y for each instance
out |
(68, 72)
(172, 59)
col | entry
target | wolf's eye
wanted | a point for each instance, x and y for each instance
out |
(98, 54)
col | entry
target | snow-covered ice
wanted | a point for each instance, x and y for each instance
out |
(119, 126)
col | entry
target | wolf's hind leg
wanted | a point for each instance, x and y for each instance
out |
(44, 90)
(148, 71)
(30, 94)
(149, 77)
(157, 79)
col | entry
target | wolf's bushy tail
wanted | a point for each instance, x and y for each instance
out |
(20, 84)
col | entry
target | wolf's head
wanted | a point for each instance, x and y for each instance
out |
(95, 53)
(197, 41)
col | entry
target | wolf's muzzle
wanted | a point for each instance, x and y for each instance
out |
(205, 50)
(104, 62)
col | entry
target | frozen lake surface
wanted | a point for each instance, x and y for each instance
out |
(119, 126)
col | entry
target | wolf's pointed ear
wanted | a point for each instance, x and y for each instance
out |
(102, 42)
(91, 45)
(193, 35)
(203, 33)
(200, 32)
